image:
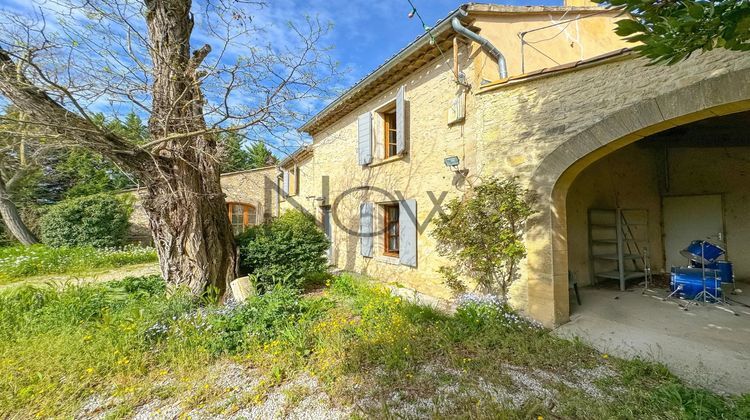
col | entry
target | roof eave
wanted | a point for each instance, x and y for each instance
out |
(413, 47)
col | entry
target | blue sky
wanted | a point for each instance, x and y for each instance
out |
(366, 33)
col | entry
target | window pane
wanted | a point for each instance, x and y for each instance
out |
(391, 117)
(390, 134)
(391, 228)
(393, 243)
(236, 218)
(251, 216)
(393, 214)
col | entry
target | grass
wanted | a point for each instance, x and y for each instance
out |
(129, 343)
(19, 262)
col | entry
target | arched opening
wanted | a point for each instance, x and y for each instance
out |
(546, 269)
(627, 214)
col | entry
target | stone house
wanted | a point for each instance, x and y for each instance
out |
(546, 94)
(252, 198)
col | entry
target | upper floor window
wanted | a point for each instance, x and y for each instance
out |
(382, 133)
(241, 216)
(291, 180)
(390, 131)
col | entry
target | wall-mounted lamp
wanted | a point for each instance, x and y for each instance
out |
(452, 162)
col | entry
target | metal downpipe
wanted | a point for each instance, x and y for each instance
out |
(485, 44)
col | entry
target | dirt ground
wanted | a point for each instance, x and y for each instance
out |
(90, 277)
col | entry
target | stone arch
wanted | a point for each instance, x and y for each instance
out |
(547, 263)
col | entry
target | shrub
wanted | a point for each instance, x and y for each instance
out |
(99, 220)
(289, 250)
(483, 234)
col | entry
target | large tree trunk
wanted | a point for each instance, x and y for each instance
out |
(12, 219)
(183, 197)
(185, 203)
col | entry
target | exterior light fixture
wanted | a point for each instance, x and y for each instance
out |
(452, 162)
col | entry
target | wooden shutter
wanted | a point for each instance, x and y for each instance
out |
(407, 220)
(400, 121)
(365, 229)
(364, 133)
(285, 187)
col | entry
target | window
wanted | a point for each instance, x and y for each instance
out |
(382, 133)
(241, 216)
(389, 130)
(293, 181)
(391, 229)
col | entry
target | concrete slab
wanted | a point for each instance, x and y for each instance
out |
(707, 346)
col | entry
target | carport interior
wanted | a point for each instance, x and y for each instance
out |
(691, 182)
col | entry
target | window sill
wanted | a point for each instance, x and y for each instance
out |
(386, 160)
(393, 260)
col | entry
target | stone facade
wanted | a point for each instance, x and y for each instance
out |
(543, 129)
(256, 187)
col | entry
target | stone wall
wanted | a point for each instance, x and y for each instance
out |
(519, 129)
(256, 187)
(547, 130)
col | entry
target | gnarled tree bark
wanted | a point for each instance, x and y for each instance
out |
(182, 196)
(186, 206)
(12, 218)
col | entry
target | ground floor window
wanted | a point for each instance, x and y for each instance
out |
(241, 216)
(391, 229)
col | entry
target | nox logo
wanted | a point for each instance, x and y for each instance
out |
(358, 194)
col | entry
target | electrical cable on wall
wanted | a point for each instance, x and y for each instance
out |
(428, 30)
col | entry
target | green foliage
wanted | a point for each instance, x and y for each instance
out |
(237, 157)
(289, 250)
(152, 285)
(80, 172)
(58, 347)
(129, 343)
(259, 155)
(262, 319)
(671, 31)
(47, 171)
(76, 172)
(19, 262)
(483, 234)
(99, 220)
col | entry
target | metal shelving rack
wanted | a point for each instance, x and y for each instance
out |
(618, 244)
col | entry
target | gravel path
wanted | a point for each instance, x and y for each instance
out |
(302, 397)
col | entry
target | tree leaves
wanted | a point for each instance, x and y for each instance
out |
(670, 31)
(483, 235)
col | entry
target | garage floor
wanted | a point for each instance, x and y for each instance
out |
(705, 345)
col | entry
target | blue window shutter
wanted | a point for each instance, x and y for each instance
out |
(400, 121)
(364, 135)
(365, 229)
(407, 220)
(285, 188)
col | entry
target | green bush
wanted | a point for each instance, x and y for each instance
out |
(19, 262)
(290, 250)
(99, 220)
